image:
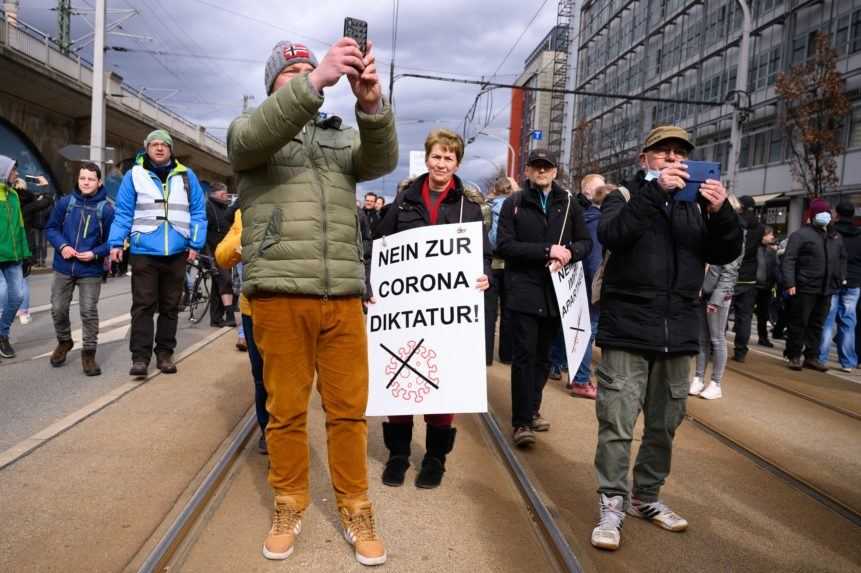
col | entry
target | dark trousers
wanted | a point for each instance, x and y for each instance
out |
(742, 302)
(806, 318)
(763, 308)
(256, 373)
(530, 364)
(494, 304)
(222, 283)
(157, 284)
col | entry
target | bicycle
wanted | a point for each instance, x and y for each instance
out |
(199, 278)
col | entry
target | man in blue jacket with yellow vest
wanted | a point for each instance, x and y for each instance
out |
(161, 209)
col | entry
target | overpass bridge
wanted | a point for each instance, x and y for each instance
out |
(45, 106)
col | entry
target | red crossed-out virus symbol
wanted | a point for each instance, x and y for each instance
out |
(413, 371)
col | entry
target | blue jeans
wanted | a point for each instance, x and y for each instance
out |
(11, 294)
(585, 370)
(842, 312)
(256, 373)
(25, 298)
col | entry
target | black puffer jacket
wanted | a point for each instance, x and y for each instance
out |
(217, 223)
(409, 212)
(659, 248)
(851, 234)
(814, 261)
(524, 238)
(752, 242)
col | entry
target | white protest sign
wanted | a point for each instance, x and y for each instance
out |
(426, 330)
(417, 163)
(569, 282)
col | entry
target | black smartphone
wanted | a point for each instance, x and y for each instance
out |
(31, 178)
(358, 30)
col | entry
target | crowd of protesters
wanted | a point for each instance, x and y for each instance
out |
(664, 278)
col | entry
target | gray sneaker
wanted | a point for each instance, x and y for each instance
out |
(523, 437)
(659, 514)
(608, 533)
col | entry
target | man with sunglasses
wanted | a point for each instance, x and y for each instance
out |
(649, 325)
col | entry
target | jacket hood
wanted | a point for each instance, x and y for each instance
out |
(175, 165)
(100, 195)
(847, 228)
(6, 165)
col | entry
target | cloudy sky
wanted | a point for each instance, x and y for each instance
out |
(218, 49)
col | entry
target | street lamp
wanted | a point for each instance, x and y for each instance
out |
(740, 93)
(510, 149)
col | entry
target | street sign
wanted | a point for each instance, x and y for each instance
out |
(417, 163)
(536, 134)
(82, 153)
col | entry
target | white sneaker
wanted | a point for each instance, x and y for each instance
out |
(696, 386)
(25, 318)
(608, 533)
(712, 391)
(659, 514)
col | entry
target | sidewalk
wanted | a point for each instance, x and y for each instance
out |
(88, 499)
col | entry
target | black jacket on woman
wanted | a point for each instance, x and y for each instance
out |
(409, 212)
(524, 238)
(814, 261)
(659, 248)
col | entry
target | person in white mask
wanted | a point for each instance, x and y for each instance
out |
(814, 268)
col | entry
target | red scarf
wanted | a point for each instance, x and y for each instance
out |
(433, 207)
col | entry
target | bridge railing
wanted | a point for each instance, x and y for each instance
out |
(36, 45)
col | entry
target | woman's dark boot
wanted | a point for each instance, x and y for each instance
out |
(397, 438)
(438, 444)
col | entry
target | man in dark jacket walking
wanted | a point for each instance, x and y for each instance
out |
(540, 226)
(219, 218)
(845, 301)
(745, 287)
(767, 270)
(814, 267)
(649, 325)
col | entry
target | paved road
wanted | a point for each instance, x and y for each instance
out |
(33, 394)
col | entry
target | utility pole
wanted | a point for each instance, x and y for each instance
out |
(245, 100)
(64, 26)
(97, 114)
(739, 115)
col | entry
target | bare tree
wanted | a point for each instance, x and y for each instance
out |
(815, 108)
(584, 156)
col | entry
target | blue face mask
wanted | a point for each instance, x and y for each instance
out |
(822, 219)
(652, 174)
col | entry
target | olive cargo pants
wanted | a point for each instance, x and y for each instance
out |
(628, 383)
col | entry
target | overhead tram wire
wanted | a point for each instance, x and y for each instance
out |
(551, 90)
(488, 115)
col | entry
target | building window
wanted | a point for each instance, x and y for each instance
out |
(775, 147)
(855, 129)
(856, 32)
(744, 152)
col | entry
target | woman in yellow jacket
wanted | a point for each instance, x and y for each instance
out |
(228, 254)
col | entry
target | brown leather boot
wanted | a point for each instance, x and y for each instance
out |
(164, 362)
(88, 362)
(58, 357)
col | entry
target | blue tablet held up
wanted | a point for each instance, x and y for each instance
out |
(699, 172)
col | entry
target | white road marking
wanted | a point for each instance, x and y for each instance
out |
(27, 445)
(105, 336)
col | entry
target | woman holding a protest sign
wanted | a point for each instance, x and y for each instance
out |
(435, 198)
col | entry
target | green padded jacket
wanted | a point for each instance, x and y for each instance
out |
(296, 179)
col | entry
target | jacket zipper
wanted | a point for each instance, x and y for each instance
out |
(672, 274)
(309, 151)
(165, 193)
(77, 242)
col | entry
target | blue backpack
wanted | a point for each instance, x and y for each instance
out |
(99, 209)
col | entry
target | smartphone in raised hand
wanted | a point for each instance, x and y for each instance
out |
(698, 171)
(358, 30)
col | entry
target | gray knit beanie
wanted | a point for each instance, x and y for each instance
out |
(286, 53)
(158, 135)
(6, 165)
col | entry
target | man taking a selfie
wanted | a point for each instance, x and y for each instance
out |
(304, 273)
